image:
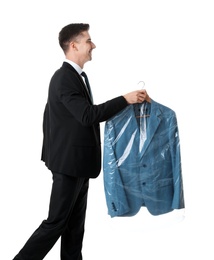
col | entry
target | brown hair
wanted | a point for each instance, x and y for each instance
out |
(69, 32)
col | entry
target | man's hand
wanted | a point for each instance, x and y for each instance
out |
(137, 96)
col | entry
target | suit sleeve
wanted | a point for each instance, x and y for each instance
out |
(116, 199)
(178, 198)
(71, 93)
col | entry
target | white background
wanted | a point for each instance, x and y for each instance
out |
(168, 44)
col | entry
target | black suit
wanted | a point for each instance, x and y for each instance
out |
(72, 151)
(71, 125)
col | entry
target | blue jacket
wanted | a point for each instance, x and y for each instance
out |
(142, 162)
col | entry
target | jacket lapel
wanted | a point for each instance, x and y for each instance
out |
(153, 123)
(67, 65)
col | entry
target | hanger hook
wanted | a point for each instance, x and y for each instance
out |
(141, 83)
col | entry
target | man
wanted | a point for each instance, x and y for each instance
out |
(71, 147)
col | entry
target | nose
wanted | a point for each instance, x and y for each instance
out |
(93, 45)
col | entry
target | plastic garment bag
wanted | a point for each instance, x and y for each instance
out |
(142, 162)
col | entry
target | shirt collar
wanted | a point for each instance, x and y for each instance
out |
(73, 64)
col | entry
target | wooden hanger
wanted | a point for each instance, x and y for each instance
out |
(143, 115)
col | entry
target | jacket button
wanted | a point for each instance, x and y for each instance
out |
(144, 165)
(143, 183)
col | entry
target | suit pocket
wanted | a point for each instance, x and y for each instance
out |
(164, 182)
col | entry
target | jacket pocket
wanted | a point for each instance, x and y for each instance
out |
(164, 182)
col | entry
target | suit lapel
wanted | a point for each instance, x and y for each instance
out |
(153, 123)
(67, 65)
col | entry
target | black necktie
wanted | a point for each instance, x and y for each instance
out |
(87, 85)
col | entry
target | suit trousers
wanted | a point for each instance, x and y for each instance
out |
(66, 219)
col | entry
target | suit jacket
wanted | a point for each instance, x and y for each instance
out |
(71, 143)
(150, 175)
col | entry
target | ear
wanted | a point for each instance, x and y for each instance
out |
(73, 46)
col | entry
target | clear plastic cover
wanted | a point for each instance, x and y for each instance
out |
(142, 162)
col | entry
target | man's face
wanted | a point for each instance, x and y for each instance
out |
(85, 46)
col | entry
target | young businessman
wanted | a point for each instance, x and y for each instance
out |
(71, 146)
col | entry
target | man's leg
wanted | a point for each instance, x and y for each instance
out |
(72, 238)
(65, 191)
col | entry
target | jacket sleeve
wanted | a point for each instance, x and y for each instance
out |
(72, 94)
(178, 198)
(116, 199)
